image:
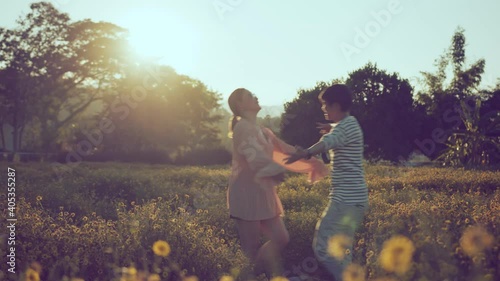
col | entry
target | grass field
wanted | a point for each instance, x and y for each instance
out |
(100, 221)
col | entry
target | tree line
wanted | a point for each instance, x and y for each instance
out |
(75, 86)
(451, 119)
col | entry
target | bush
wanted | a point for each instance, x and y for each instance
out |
(101, 217)
(147, 156)
(205, 156)
(93, 248)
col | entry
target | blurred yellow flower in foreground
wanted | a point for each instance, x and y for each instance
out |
(226, 278)
(354, 272)
(235, 271)
(397, 254)
(154, 277)
(132, 270)
(36, 266)
(338, 245)
(161, 248)
(488, 277)
(475, 240)
(190, 278)
(32, 275)
(279, 278)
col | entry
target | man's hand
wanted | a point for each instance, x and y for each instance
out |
(299, 154)
(323, 127)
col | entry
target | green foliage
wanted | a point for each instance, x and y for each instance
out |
(60, 80)
(298, 122)
(443, 94)
(382, 102)
(103, 217)
(479, 141)
(53, 69)
(205, 156)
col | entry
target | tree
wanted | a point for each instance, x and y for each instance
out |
(478, 143)
(383, 105)
(442, 95)
(54, 69)
(298, 122)
(171, 113)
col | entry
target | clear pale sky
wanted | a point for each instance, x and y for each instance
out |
(275, 47)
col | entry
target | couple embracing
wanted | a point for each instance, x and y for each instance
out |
(258, 165)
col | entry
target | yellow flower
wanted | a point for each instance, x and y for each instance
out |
(32, 275)
(39, 198)
(190, 278)
(488, 277)
(475, 240)
(235, 271)
(154, 277)
(132, 271)
(279, 278)
(226, 278)
(36, 266)
(369, 254)
(161, 248)
(354, 272)
(397, 254)
(338, 244)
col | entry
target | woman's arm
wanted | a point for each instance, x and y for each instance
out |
(315, 168)
(246, 143)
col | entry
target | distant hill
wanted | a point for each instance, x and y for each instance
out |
(271, 110)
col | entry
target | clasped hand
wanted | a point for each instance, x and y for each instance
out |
(297, 155)
(301, 152)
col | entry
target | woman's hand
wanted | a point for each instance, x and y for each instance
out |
(279, 177)
(323, 127)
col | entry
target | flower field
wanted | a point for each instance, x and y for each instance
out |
(115, 221)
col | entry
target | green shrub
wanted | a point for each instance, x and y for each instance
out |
(101, 217)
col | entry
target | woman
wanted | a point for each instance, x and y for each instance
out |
(257, 167)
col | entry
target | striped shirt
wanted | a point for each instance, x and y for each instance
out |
(347, 177)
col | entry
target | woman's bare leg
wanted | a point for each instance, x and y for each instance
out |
(249, 233)
(270, 253)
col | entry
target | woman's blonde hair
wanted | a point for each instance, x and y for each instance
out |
(235, 96)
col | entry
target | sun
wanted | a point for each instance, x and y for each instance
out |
(164, 36)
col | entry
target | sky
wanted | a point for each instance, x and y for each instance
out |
(274, 48)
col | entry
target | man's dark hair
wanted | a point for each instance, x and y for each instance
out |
(338, 93)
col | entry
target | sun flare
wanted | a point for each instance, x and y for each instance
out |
(166, 37)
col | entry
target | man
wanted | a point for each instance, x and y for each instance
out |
(348, 192)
